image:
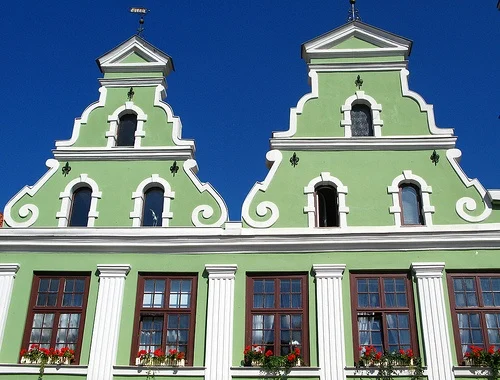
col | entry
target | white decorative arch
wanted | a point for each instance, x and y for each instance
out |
(112, 133)
(453, 156)
(138, 197)
(190, 167)
(408, 177)
(67, 196)
(326, 179)
(25, 210)
(360, 97)
(275, 157)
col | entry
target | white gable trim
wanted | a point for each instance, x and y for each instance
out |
(25, 210)
(83, 119)
(67, 196)
(112, 133)
(326, 179)
(408, 177)
(466, 203)
(138, 197)
(361, 98)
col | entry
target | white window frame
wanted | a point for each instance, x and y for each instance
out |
(360, 97)
(114, 120)
(67, 198)
(425, 190)
(325, 179)
(138, 196)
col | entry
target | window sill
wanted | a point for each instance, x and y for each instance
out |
(256, 372)
(49, 369)
(373, 371)
(119, 370)
(469, 371)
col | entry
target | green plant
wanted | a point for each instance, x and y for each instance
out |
(44, 356)
(275, 365)
(479, 357)
(389, 363)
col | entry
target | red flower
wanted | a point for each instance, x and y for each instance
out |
(158, 352)
(24, 351)
(401, 351)
(268, 353)
(491, 350)
(247, 350)
(409, 353)
(180, 355)
(291, 358)
(297, 351)
(139, 354)
(378, 355)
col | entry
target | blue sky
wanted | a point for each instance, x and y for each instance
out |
(238, 72)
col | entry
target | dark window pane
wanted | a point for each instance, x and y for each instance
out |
(80, 207)
(361, 118)
(126, 130)
(327, 204)
(410, 204)
(153, 207)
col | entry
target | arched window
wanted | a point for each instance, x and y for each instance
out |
(153, 207)
(361, 118)
(411, 204)
(126, 130)
(80, 207)
(327, 208)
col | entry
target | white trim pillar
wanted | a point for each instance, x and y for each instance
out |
(429, 278)
(331, 340)
(7, 275)
(220, 315)
(104, 344)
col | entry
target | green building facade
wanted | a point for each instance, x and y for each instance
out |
(365, 232)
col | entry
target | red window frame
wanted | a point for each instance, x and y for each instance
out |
(480, 309)
(383, 309)
(58, 309)
(277, 311)
(165, 311)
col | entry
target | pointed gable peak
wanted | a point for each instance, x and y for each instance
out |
(135, 55)
(356, 39)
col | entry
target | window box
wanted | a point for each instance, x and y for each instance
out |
(151, 362)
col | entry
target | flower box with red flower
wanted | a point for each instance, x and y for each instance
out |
(158, 358)
(51, 356)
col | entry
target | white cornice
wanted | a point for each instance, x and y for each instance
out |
(125, 154)
(494, 195)
(135, 82)
(365, 143)
(209, 240)
(358, 66)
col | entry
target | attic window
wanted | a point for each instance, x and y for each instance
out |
(361, 117)
(127, 127)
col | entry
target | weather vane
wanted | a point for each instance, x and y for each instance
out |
(142, 11)
(353, 12)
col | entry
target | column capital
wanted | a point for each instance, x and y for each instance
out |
(221, 270)
(9, 269)
(428, 269)
(328, 270)
(113, 270)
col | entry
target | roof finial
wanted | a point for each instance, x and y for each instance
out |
(353, 12)
(142, 12)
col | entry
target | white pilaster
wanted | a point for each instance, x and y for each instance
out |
(220, 310)
(331, 344)
(107, 321)
(434, 322)
(7, 275)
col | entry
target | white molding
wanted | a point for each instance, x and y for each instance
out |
(83, 119)
(138, 197)
(258, 373)
(466, 203)
(180, 240)
(474, 372)
(67, 196)
(132, 82)
(158, 371)
(26, 209)
(326, 179)
(360, 97)
(104, 344)
(425, 190)
(114, 122)
(171, 153)
(190, 167)
(49, 369)
(424, 107)
(274, 158)
(294, 112)
(331, 342)
(372, 372)
(175, 120)
(400, 143)
(494, 195)
(357, 66)
(220, 315)
(7, 275)
(433, 318)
